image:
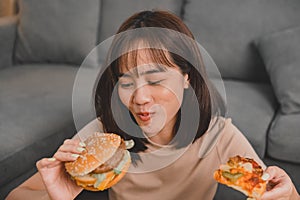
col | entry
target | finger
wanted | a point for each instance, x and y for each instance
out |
(47, 163)
(274, 172)
(279, 184)
(277, 192)
(71, 148)
(65, 156)
(74, 142)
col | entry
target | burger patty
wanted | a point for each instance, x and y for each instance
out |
(113, 161)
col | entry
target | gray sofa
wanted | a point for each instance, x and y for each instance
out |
(255, 45)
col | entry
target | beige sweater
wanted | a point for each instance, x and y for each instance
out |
(184, 173)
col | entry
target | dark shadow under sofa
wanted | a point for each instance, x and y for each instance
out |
(255, 45)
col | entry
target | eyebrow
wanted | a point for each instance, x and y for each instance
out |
(152, 71)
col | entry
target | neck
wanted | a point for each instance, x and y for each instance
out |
(165, 135)
(161, 138)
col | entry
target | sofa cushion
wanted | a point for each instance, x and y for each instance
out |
(115, 12)
(281, 54)
(284, 138)
(7, 40)
(251, 107)
(227, 30)
(56, 31)
(36, 115)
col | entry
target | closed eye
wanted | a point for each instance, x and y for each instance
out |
(126, 85)
(155, 82)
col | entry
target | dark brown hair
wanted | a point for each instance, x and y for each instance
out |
(208, 101)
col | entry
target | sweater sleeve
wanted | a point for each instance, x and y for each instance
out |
(232, 142)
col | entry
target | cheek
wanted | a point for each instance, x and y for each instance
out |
(125, 97)
(173, 93)
(171, 97)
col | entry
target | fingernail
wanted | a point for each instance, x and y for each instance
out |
(82, 144)
(75, 155)
(80, 149)
(265, 176)
(129, 144)
(51, 159)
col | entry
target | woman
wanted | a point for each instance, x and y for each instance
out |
(157, 74)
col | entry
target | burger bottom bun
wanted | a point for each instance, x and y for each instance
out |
(87, 182)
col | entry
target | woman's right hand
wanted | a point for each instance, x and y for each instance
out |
(52, 170)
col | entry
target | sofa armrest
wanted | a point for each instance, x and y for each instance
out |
(8, 29)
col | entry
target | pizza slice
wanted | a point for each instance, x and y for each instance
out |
(244, 175)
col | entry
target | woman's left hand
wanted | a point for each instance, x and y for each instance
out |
(280, 186)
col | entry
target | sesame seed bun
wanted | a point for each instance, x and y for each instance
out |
(102, 151)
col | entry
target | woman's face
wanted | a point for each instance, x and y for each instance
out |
(152, 93)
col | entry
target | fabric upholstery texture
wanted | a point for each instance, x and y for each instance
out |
(280, 52)
(35, 105)
(284, 138)
(57, 31)
(114, 12)
(227, 29)
(251, 107)
(8, 29)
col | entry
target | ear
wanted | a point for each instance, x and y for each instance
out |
(186, 81)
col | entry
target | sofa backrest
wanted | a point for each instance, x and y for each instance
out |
(227, 30)
(56, 31)
(66, 31)
(114, 12)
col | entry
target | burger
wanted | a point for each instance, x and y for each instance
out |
(104, 162)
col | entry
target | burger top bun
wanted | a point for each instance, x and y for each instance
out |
(99, 148)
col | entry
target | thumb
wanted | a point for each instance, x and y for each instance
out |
(272, 171)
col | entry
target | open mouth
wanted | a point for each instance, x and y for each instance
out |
(144, 116)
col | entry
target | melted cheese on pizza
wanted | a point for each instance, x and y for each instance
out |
(243, 174)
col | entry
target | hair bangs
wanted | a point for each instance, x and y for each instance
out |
(158, 58)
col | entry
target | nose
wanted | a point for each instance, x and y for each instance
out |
(142, 96)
